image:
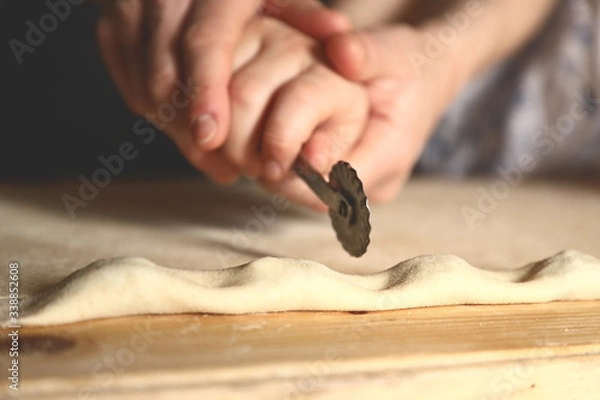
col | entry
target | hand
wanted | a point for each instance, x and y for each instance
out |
(155, 50)
(406, 101)
(284, 101)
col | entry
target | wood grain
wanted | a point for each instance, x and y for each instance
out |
(549, 350)
(537, 351)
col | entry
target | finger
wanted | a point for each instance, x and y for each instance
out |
(250, 92)
(250, 44)
(331, 144)
(383, 158)
(376, 53)
(316, 97)
(127, 22)
(163, 21)
(171, 111)
(212, 163)
(209, 42)
(308, 16)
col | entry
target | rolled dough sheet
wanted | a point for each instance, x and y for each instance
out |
(131, 286)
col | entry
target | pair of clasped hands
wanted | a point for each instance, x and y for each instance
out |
(270, 80)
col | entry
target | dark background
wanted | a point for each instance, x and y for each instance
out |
(60, 110)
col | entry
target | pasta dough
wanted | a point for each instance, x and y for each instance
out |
(130, 286)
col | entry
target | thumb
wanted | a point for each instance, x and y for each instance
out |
(374, 53)
(308, 16)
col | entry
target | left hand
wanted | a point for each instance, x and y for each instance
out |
(406, 102)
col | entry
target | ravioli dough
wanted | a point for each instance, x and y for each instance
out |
(133, 286)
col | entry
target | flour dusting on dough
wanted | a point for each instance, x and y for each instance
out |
(133, 286)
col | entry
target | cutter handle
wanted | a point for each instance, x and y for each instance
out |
(316, 182)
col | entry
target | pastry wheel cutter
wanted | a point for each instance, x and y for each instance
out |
(348, 204)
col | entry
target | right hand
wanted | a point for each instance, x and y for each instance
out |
(406, 100)
(152, 48)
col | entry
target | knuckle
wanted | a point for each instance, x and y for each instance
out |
(244, 91)
(304, 92)
(293, 42)
(287, 37)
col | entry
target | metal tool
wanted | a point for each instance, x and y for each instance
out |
(347, 202)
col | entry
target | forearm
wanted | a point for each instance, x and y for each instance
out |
(488, 20)
(465, 36)
(475, 34)
(370, 13)
(364, 14)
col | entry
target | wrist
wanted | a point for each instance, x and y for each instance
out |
(460, 44)
(441, 63)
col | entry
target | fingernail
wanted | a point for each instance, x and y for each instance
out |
(204, 129)
(273, 171)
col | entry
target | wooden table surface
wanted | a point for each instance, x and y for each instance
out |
(468, 352)
(549, 350)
